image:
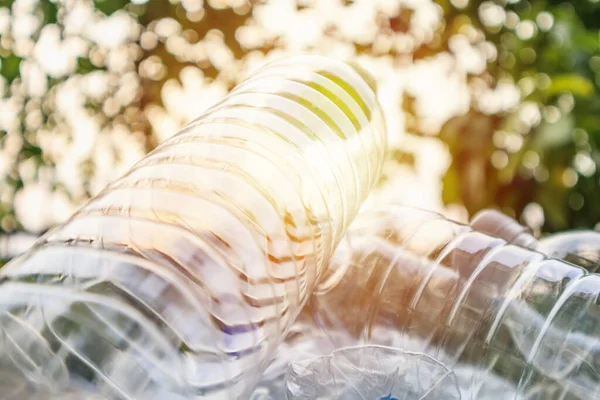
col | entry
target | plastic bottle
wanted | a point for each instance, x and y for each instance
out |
(179, 280)
(371, 372)
(412, 279)
(15, 244)
(304, 340)
(581, 247)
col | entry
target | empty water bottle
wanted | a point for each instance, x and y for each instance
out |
(371, 372)
(415, 280)
(180, 279)
(581, 247)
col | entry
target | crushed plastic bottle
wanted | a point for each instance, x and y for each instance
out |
(371, 372)
(424, 283)
(180, 279)
(304, 340)
(580, 247)
(307, 341)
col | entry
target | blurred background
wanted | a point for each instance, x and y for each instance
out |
(489, 103)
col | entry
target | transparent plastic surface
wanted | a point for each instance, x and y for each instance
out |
(412, 279)
(304, 340)
(580, 247)
(371, 372)
(497, 224)
(180, 279)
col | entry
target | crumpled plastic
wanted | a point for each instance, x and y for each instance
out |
(304, 340)
(371, 372)
(307, 341)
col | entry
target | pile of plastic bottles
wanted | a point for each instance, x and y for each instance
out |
(505, 319)
(230, 263)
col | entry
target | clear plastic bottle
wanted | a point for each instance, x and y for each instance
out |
(580, 247)
(180, 279)
(15, 244)
(304, 340)
(371, 372)
(412, 279)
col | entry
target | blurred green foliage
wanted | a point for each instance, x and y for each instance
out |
(558, 70)
(548, 49)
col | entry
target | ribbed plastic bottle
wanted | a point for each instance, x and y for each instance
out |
(179, 280)
(581, 247)
(412, 279)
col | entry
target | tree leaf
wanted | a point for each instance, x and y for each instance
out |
(572, 83)
(9, 67)
(110, 6)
